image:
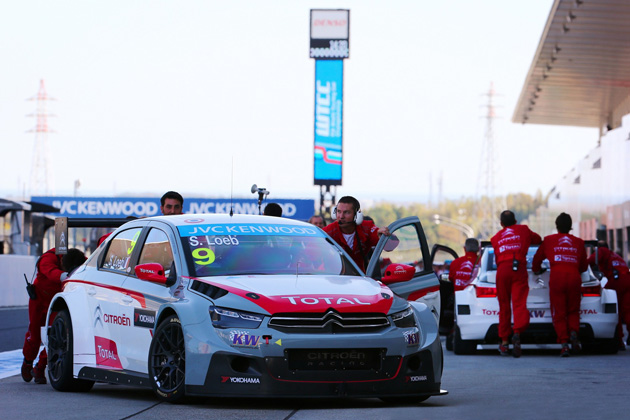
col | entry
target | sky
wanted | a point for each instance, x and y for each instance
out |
(208, 97)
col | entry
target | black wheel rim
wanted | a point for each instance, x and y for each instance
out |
(58, 348)
(168, 358)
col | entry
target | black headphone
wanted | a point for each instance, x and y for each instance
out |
(358, 215)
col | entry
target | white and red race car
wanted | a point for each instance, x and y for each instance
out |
(254, 306)
(477, 310)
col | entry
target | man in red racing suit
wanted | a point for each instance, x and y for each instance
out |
(47, 283)
(510, 249)
(567, 259)
(349, 231)
(461, 269)
(616, 271)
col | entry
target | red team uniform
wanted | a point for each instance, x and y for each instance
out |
(461, 270)
(47, 284)
(612, 265)
(511, 244)
(567, 259)
(365, 238)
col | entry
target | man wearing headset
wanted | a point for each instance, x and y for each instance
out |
(349, 231)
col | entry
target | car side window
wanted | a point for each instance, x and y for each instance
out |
(120, 249)
(157, 249)
(408, 250)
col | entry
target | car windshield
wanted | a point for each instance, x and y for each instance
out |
(228, 250)
(492, 264)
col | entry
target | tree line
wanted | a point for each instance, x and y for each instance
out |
(467, 211)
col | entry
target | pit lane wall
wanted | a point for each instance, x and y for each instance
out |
(12, 270)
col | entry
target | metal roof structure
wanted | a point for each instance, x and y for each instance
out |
(580, 74)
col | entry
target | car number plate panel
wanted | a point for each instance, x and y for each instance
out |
(335, 359)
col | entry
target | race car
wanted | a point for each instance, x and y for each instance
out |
(253, 306)
(477, 309)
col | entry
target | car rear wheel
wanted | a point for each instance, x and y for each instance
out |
(463, 346)
(609, 346)
(167, 361)
(60, 358)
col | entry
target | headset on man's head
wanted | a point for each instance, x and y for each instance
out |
(358, 215)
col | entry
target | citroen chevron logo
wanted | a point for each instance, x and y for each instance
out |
(508, 232)
(98, 316)
(565, 241)
(332, 317)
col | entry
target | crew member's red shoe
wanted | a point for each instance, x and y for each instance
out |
(39, 374)
(26, 370)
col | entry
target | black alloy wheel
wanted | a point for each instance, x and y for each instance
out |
(167, 361)
(60, 357)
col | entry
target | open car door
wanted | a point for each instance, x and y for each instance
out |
(442, 256)
(403, 262)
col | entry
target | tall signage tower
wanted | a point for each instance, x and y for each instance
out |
(330, 45)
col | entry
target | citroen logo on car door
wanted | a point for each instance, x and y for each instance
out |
(98, 316)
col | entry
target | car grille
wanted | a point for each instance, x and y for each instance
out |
(331, 321)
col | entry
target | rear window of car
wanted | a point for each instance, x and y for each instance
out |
(223, 250)
(492, 263)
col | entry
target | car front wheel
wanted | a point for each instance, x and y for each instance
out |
(167, 361)
(60, 358)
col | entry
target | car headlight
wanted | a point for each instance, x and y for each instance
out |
(404, 319)
(229, 318)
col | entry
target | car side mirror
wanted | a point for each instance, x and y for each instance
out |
(397, 273)
(152, 272)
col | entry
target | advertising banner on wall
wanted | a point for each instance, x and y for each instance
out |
(94, 207)
(328, 122)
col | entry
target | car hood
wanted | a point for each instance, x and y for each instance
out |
(290, 293)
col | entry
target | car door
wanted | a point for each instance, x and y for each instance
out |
(158, 245)
(441, 257)
(407, 245)
(106, 296)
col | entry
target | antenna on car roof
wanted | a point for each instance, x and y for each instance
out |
(232, 189)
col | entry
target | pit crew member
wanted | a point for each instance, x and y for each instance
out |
(349, 231)
(510, 249)
(567, 259)
(172, 202)
(461, 269)
(616, 271)
(50, 273)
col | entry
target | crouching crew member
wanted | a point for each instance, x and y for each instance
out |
(616, 271)
(461, 269)
(50, 273)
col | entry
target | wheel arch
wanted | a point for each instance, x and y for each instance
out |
(164, 313)
(82, 326)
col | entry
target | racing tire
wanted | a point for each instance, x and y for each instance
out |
(449, 341)
(463, 346)
(60, 356)
(167, 361)
(404, 400)
(609, 346)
